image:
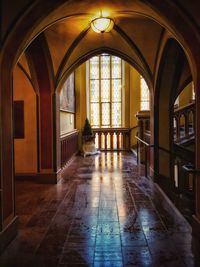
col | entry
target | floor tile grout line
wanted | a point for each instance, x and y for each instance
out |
(140, 222)
(119, 224)
(37, 247)
(97, 225)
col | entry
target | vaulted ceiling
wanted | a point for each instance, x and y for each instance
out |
(139, 35)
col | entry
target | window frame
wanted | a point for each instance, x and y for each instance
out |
(111, 101)
(144, 102)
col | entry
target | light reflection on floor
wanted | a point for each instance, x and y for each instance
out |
(100, 214)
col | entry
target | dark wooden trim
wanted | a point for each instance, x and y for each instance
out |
(48, 178)
(26, 176)
(69, 146)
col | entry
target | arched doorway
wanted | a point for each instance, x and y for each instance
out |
(17, 40)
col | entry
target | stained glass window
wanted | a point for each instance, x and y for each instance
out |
(144, 94)
(94, 114)
(105, 91)
(94, 68)
(94, 90)
(193, 91)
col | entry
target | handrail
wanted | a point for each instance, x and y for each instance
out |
(146, 149)
(188, 106)
(123, 129)
(142, 141)
(134, 127)
(190, 169)
(63, 136)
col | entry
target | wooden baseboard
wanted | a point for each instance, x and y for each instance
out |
(26, 176)
(196, 227)
(8, 234)
(47, 178)
(42, 178)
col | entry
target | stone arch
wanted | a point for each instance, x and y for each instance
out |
(110, 51)
(22, 34)
(165, 92)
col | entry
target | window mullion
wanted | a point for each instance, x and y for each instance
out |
(111, 124)
(121, 94)
(100, 104)
(89, 92)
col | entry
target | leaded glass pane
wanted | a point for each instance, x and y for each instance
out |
(105, 67)
(116, 67)
(94, 114)
(110, 69)
(144, 105)
(116, 90)
(94, 68)
(105, 90)
(144, 95)
(94, 90)
(105, 114)
(116, 115)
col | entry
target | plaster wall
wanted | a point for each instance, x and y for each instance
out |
(25, 150)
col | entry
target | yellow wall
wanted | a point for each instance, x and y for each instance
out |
(185, 96)
(134, 101)
(25, 150)
(80, 87)
(66, 122)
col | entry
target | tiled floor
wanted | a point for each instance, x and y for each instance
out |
(102, 213)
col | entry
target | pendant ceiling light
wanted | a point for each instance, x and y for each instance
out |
(102, 24)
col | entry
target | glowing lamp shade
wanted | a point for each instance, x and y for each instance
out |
(102, 25)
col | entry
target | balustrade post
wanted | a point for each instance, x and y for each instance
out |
(105, 140)
(121, 141)
(178, 127)
(111, 140)
(186, 115)
(117, 134)
(99, 139)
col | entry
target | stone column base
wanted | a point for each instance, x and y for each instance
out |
(8, 234)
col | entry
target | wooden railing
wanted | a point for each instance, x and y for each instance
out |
(143, 149)
(184, 122)
(112, 138)
(69, 146)
(143, 117)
